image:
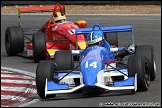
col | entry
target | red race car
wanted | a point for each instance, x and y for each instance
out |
(56, 34)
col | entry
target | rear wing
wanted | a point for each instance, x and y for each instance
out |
(106, 29)
(35, 9)
(110, 29)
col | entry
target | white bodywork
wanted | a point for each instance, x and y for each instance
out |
(102, 79)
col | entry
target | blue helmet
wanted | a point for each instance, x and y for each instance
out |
(94, 37)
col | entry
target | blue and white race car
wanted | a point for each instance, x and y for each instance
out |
(97, 66)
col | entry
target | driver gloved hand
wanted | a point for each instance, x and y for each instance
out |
(131, 48)
(122, 53)
(126, 51)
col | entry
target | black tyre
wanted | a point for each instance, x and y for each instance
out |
(45, 69)
(112, 38)
(64, 60)
(148, 52)
(14, 40)
(138, 64)
(39, 46)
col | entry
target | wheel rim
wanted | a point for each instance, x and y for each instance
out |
(154, 66)
(55, 75)
(147, 79)
(147, 75)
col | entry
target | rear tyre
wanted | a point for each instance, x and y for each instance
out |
(45, 69)
(148, 52)
(14, 40)
(112, 39)
(138, 64)
(64, 60)
(39, 46)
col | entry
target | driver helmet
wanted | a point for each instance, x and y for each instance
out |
(95, 37)
(59, 18)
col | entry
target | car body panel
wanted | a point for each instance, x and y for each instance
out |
(92, 71)
(58, 37)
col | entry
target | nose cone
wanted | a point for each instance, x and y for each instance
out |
(90, 77)
(90, 68)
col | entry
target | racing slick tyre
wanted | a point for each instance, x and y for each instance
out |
(112, 39)
(138, 64)
(14, 40)
(148, 52)
(64, 60)
(45, 69)
(39, 46)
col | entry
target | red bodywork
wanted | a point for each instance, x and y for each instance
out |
(57, 32)
(64, 32)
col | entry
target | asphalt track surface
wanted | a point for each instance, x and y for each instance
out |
(147, 31)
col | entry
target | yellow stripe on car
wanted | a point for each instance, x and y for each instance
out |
(51, 51)
(82, 45)
(108, 77)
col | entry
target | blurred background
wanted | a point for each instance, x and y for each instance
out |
(6, 3)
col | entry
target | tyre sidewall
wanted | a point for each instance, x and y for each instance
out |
(39, 46)
(148, 52)
(45, 69)
(136, 64)
(64, 60)
(14, 40)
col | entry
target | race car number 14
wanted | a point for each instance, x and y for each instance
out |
(94, 64)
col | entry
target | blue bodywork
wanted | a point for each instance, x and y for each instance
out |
(110, 29)
(94, 58)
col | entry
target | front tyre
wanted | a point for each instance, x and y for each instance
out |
(45, 69)
(148, 52)
(138, 64)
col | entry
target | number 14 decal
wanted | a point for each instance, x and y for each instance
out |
(94, 64)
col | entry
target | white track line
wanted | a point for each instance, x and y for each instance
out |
(26, 73)
(17, 81)
(3, 106)
(18, 89)
(13, 98)
(3, 72)
(15, 76)
(19, 71)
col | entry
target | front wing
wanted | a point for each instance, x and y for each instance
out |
(67, 85)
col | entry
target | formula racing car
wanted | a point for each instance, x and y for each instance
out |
(41, 43)
(66, 74)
